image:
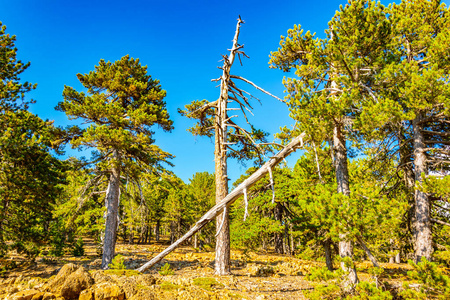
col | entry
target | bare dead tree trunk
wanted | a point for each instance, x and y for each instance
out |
(222, 258)
(424, 246)
(342, 178)
(229, 199)
(112, 212)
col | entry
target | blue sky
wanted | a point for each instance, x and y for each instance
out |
(181, 42)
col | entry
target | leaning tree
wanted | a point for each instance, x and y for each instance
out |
(121, 105)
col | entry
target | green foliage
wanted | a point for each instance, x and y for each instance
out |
(166, 270)
(322, 274)
(11, 90)
(117, 263)
(433, 283)
(206, 283)
(31, 177)
(78, 248)
(168, 286)
(324, 292)
(28, 248)
(369, 291)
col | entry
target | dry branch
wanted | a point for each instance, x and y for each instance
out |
(229, 199)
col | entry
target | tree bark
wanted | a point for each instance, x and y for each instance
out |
(342, 179)
(327, 248)
(157, 229)
(368, 252)
(424, 246)
(112, 212)
(229, 199)
(278, 212)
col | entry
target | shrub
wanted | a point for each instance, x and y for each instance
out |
(117, 263)
(321, 274)
(365, 290)
(206, 283)
(166, 270)
(168, 286)
(78, 248)
(433, 282)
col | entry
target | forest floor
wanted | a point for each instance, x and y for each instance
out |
(255, 275)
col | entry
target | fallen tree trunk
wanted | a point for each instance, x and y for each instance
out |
(229, 199)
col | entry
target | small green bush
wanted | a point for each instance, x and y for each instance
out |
(321, 274)
(168, 286)
(431, 279)
(78, 248)
(166, 270)
(324, 292)
(365, 290)
(117, 263)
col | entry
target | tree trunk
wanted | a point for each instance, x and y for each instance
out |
(172, 232)
(286, 239)
(112, 212)
(278, 212)
(408, 178)
(157, 229)
(398, 258)
(368, 252)
(424, 246)
(291, 237)
(327, 248)
(342, 178)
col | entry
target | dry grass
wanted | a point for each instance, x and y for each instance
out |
(254, 275)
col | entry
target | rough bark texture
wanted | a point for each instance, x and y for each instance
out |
(423, 225)
(278, 212)
(327, 248)
(157, 230)
(223, 256)
(229, 199)
(341, 166)
(112, 212)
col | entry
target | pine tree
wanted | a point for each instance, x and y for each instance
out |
(11, 89)
(121, 106)
(334, 82)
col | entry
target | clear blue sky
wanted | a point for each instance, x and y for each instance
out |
(180, 41)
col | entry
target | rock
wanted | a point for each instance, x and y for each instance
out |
(99, 276)
(38, 296)
(258, 270)
(108, 291)
(144, 295)
(47, 296)
(87, 295)
(23, 295)
(75, 283)
(62, 275)
(128, 284)
(146, 279)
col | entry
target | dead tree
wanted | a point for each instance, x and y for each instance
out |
(228, 136)
(229, 199)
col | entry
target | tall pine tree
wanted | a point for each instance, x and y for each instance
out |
(121, 105)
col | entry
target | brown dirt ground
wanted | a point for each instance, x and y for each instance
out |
(255, 275)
